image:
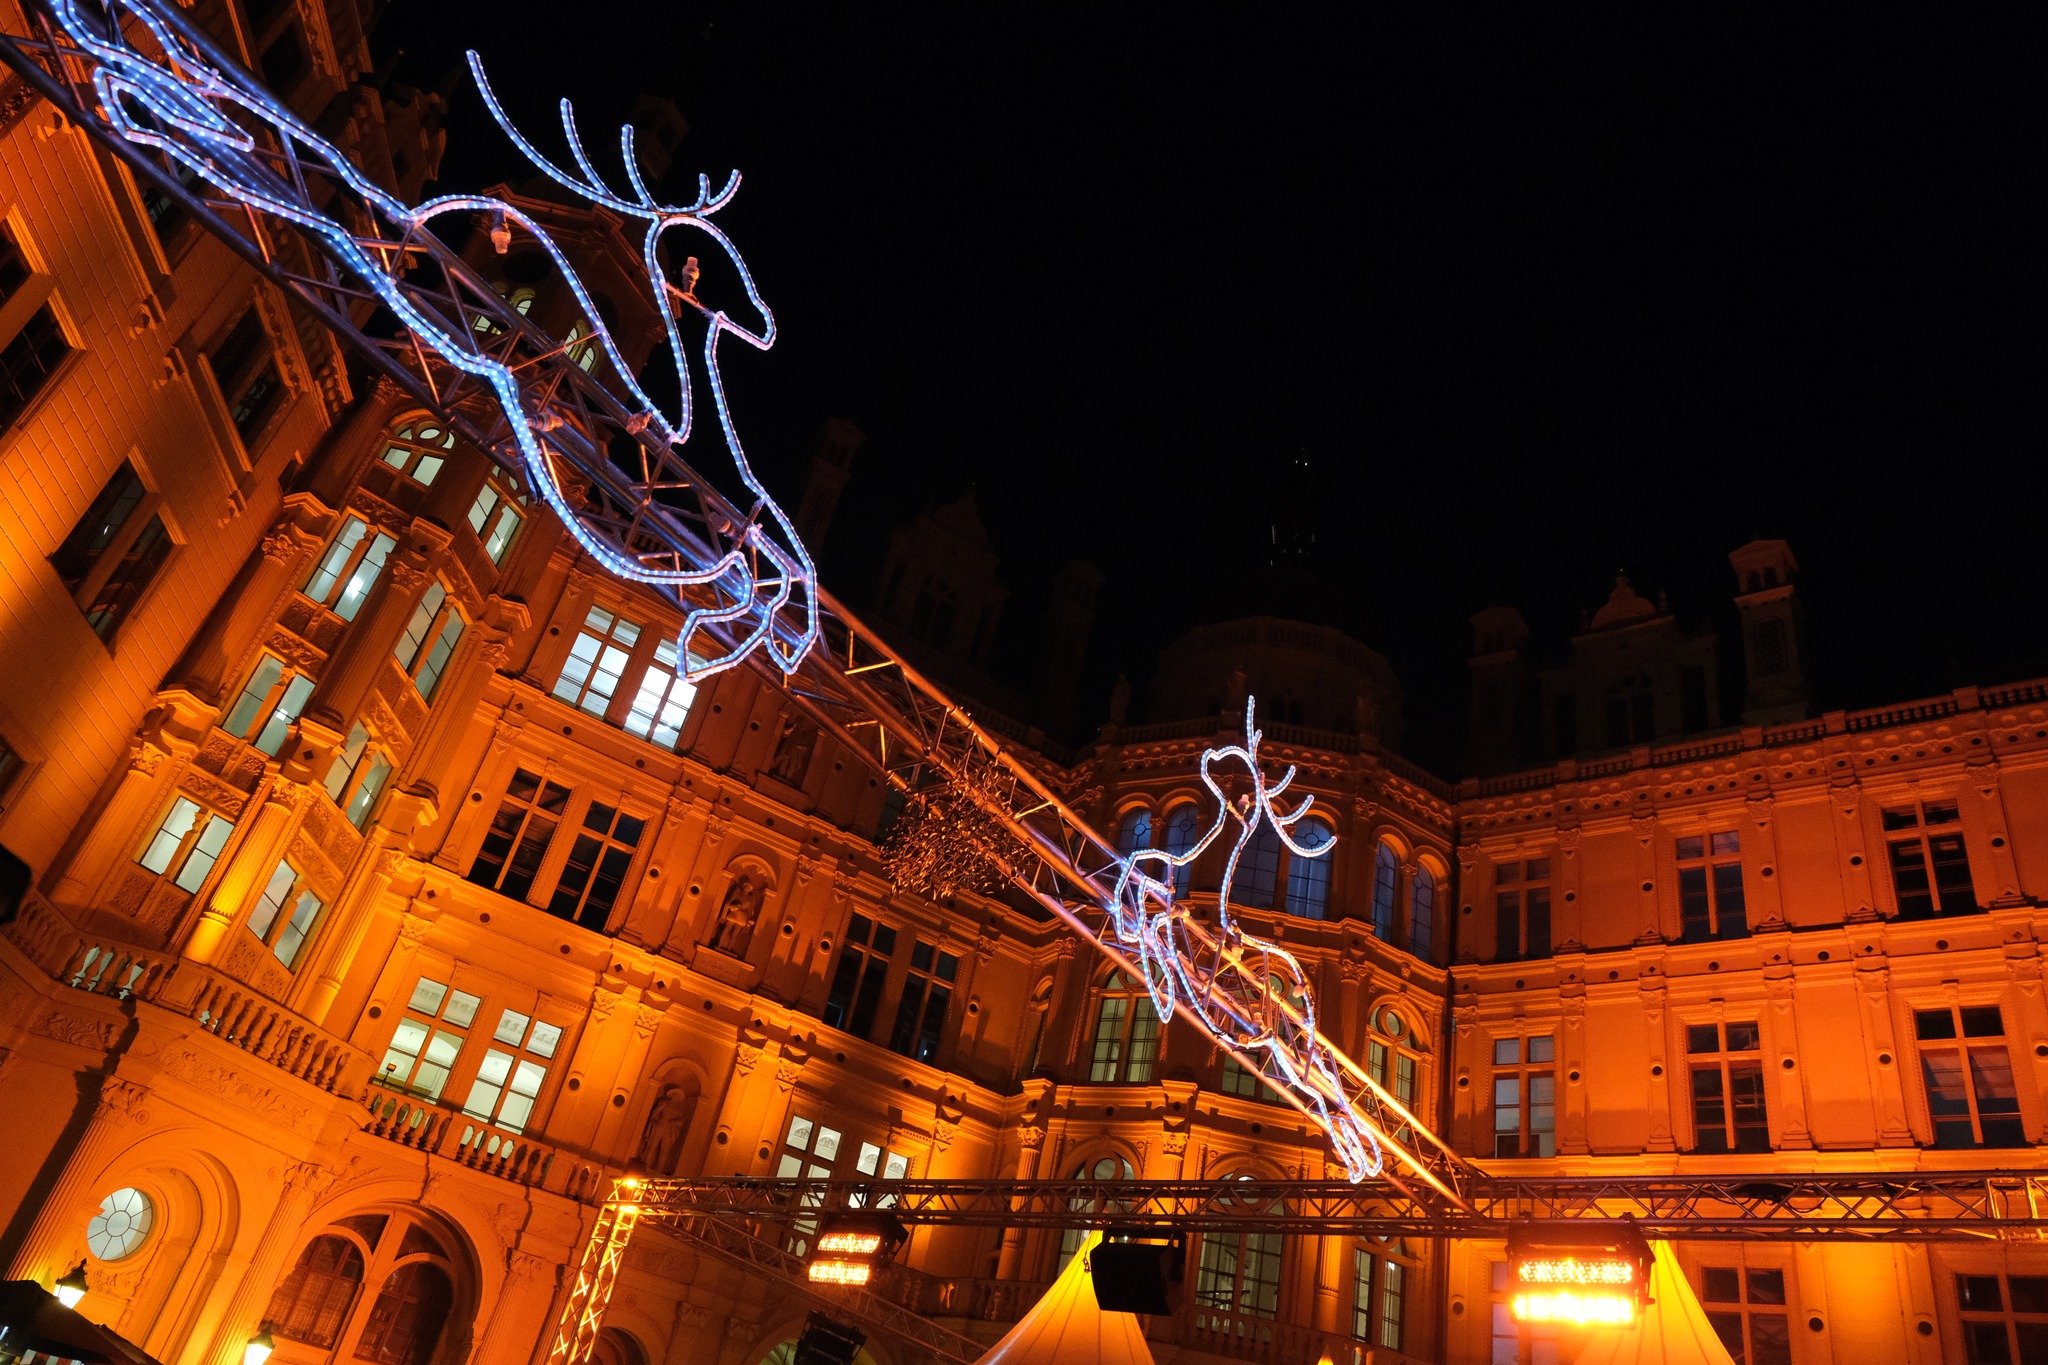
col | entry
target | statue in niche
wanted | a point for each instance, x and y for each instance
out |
(736, 916)
(667, 1125)
(793, 750)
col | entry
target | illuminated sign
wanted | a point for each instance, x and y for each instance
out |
(1586, 1274)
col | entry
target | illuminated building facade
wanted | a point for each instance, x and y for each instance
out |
(379, 891)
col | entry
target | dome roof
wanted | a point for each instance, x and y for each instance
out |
(1624, 605)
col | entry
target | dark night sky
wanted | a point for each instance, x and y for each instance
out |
(1538, 302)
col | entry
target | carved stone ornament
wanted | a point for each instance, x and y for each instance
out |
(55, 1024)
(1174, 1144)
(786, 1075)
(1031, 1139)
(122, 1104)
(744, 1057)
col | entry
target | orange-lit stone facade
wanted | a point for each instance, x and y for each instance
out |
(388, 896)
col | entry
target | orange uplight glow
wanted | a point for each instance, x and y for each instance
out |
(841, 1272)
(1573, 1270)
(1576, 1308)
(851, 1243)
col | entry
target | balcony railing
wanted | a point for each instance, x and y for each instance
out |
(439, 1130)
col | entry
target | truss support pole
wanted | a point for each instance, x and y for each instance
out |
(583, 1313)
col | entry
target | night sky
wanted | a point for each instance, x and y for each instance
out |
(1535, 303)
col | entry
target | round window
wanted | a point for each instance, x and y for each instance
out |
(1392, 1025)
(121, 1224)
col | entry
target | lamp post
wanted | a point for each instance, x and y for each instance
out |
(259, 1348)
(71, 1288)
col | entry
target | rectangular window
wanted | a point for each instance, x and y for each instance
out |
(598, 860)
(1971, 1095)
(1240, 1273)
(353, 783)
(285, 914)
(100, 527)
(429, 1036)
(495, 515)
(921, 1011)
(136, 569)
(519, 835)
(246, 370)
(603, 648)
(508, 1080)
(1930, 867)
(1710, 903)
(2004, 1318)
(1522, 916)
(274, 695)
(11, 765)
(664, 698)
(1361, 1293)
(189, 839)
(349, 568)
(28, 361)
(1392, 1069)
(1524, 1097)
(1393, 1290)
(430, 638)
(862, 972)
(1746, 1309)
(1248, 1084)
(1518, 1343)
(1727, 1065)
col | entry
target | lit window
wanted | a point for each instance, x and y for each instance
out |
(863, 970)
(431, 1033)
(1258, 869)
(1971, 1095)
(809, 1151)
(589, 885)
(1524, 1097)
(1393, 1066)
(1422, 915)
(1135, 832)
(1308, 878)
(1521, 917)
(1183, 830)
(603, 648)
(519, 835)
(495, 515)
(581, 345)
(419, 448)
(1746, 1309)
(1728, 1114)
(430, 638)
(1385, 876)
(921, 1010)
(311, 1303)
(285, 914)
(274, 695)
(121, 1224)
(1380, 1318)
(2004, 1318)
(1710, 901)
(663, 700)
(1126, 1032)
(1240, 1273)
(353, 783)
(1240, 1080)
(349, 567)
(1930, 867)
(508, 1080)
(189, 839)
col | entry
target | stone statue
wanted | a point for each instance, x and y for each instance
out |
(735, 927)
(793, 750)
(667, 1125)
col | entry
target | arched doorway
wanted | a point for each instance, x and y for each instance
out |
(385, 1286)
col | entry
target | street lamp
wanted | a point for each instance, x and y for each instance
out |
(258, 1350)
(71, 1288)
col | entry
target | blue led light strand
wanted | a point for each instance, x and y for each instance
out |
(756, 572)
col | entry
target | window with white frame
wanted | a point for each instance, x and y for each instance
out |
(496, 514)
(418, 448)
(1422, 893)
(1524, 1097)
(430, 639)
(664, 698)
(2004, 1318)
(285, 914)
(1929, 862)
(357, 776)
(1972, 1097)
(268, 704)
(348, 567)
(1746, 1308)
(187, 843)
(1126, 1032)
(509, 1078)
(428, 1039)
(1308, 874)
(597, 660)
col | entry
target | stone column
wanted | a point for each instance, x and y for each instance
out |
(258, 593)
(1659, 1080)
(1571, 1051)
(55, 1238)
(356, 906)
(118, 825)
(1650, 919)
(1332, 1261)
(1789, 1083)
(304, 1183)
(352, 669)
(1030, 1146)
(1764, 897)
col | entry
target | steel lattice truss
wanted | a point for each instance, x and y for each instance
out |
(653, 509)
(1874, 1207)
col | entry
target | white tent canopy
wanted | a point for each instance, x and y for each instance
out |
(1673, 1329)
(1066, 1327)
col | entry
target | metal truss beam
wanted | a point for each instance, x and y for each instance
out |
(1888, 1206)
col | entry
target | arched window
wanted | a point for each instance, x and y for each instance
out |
(1308, 879)
(1380, 1272)
(1135, 832)
(1258, 869)
(1183, 828)
(1240, 1273)
(581, 345)
(1109, 1168)
(418, 448)
(1385, 872)
(405, 1321)
(1422, 915)
(1391, 1057)
(1126, 1032)
(1770, 647)
(312, 1302)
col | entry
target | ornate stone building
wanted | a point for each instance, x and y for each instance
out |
(378, 893)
